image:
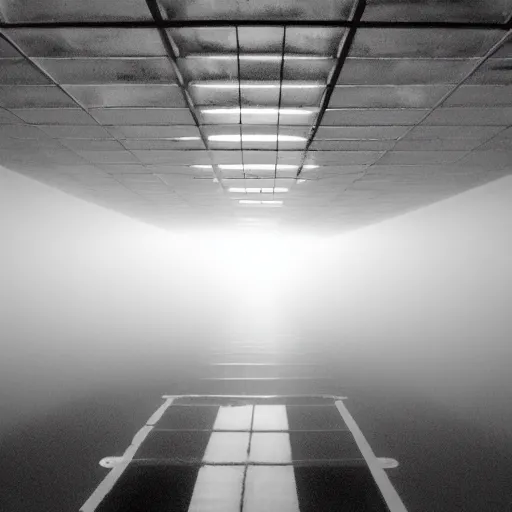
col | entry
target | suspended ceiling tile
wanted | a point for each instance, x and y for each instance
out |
(496, 144)
(372, 117)
(471, 11)
(438, 145)
(480, 96)
(307, 69)
(260, 70)
(76, 132)
(505, 51)
(420, 157)
(33, 96)
(487, 160)
(397, 71)
(431, 43)
(109, 71)
(7, 117)
(203, 68)
(226, 157)
(142, 116)
(20, 72)
(404, 96)
(88, 42)
(470, 116)
(493, 71)
(108, 157)
(342, 157)
(74, 10)
(153, 132)
(22, 131)
(189, 157)
(301, 97)
(360, 132)
(203, 40)
(219, 97)
(7, 50)
(162, 144)
(91, 145)
(72, 116)
(127, 95)
(261, 10)
(261, 39)
(313, 40)
(426, 132)
(352, 145)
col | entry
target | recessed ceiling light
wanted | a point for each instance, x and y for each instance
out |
(256, 167)
(258, 190)
(255, 138)
(258, 85)
(257, 56)
(258, 111)
(253, 202)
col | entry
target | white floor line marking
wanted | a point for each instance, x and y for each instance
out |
(387, 490)
(113, 476)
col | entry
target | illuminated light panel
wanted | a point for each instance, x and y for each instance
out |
(185, 138)
(262, 85)
(258, 111)
(301, 181)
(255, 138)
(257, 190)
(310, 166)
(254, 202)
(202, 166)
(256, 167)
(259, 56)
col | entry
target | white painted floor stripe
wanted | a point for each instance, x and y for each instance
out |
(113, 476)
(271, 448)
(387, 490)
(217, 488)
(270, 489)
(270, 417)
(225, 447)
(233, 418)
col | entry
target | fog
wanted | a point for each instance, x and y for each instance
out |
(413, 309)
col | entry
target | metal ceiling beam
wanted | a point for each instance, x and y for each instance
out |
(251, 23)
(343, 52)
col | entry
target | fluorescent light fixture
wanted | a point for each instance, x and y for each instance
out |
(258, 56)
(253, 202)
(255, 138)
(256, 167)
(202, 166)
(310, 166)
(258, 111)
(301, 181)
(258, 190)
(185, 138)
(258, 85)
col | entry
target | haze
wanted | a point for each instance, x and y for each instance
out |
(102, 313)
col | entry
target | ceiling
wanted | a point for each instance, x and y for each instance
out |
(319, 116)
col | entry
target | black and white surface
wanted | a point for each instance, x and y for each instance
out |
(294, 114)
(252, 454)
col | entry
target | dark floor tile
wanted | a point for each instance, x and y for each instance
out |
(348, 489)
(315, 418)
(324, 445)
(188, 417)
(151, 488)
(180, 446)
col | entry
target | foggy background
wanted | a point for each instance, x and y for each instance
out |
(98, 310)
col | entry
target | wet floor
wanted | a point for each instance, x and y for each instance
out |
(448, 460)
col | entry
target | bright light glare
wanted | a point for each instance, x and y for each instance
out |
(258, 56)
(185, 138)
(257, 190)
(254, 202)
(310, 166)
(258, 111)
(301, 181)
(256, 167)
(202, 166)
(258, 85)
(255, 138)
